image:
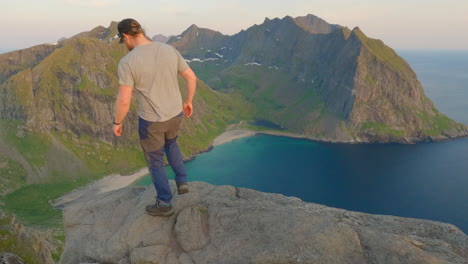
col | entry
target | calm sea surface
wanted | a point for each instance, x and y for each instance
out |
(428, 180)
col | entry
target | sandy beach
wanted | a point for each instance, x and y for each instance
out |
(106, 184)
(231, 135)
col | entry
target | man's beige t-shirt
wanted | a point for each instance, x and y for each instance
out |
(152, 71)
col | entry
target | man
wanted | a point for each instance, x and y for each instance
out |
(151, 68)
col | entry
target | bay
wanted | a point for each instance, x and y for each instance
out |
(426, 180)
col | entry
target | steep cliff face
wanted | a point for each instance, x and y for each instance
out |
(224, 224)
(389, 100)
(324, 81)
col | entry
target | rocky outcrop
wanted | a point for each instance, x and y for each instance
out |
(224, 224)
(20, 244)
(9, 258)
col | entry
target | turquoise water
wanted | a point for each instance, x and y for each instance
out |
(428, 180)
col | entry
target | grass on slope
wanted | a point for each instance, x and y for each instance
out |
(30, 203)
(12, 175)
(10, 243)
(215, 111)
(439, 123)
(33, 147)
(385, 54)
(381, 129)
(18, 245)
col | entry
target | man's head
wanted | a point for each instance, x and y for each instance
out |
(129, 29)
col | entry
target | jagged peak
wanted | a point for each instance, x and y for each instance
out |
(195, 30)
(113, 24)
(100, 32)
(268, 21)
(314, 24)
(310, 17)
(309, 23)
(346, 32)
(288, 18)
(193, 27)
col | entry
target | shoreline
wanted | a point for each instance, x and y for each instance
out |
(232, 134)
(116, 181)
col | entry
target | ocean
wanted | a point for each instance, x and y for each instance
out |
(426, 180)
(3, 50)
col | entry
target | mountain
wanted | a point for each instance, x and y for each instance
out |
(161, 38)
(323, 81)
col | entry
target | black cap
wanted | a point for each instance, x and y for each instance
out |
(128, 26)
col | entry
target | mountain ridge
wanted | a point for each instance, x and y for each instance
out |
(332, 71)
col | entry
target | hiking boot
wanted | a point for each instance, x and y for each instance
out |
(160, 208)
(182, 187)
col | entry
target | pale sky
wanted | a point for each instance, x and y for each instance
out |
(401, 24)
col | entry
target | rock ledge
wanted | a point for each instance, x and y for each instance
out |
(224, 224)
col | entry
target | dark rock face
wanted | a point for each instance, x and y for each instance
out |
(321, 80)
(197, 41)
(224, 224)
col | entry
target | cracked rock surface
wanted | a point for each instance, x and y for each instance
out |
(224, 224)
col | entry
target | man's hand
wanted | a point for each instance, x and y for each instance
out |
(191, 79)
(188, 109)
(117, 130)
(122, 105)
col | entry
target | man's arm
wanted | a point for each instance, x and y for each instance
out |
(191, 79)
(122, 105)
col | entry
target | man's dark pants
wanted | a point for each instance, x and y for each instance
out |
(157, 138)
